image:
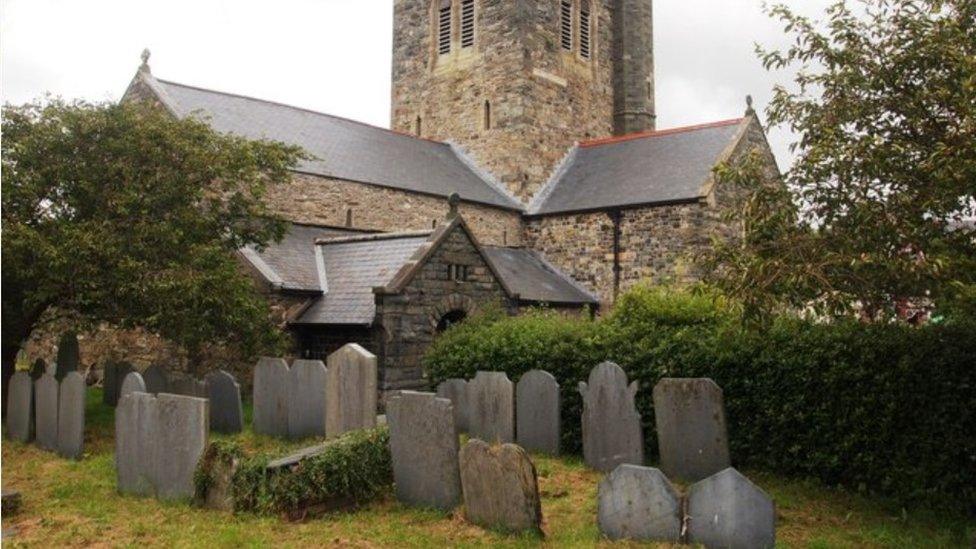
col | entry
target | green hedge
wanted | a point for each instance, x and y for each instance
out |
(883, 408)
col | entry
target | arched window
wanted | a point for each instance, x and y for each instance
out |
(487, 115)
(584, 29)
(418, 126)
(348, 217)
(566, 24)
(450, 319)
(444, 27)
(467, 23)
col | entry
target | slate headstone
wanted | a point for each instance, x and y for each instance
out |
(456, 390)
(537, 412)
(46, 412)
(638, 503)
(491, 407)
(727, 510)
(135, 439)
(132, 383)
(611, 425)
(183, 432)
(71, 416)
(20, 407)
(690, 417)
(271, 384)
(500, 487)
(226, 411)
(115, 373)
(188, 386)
(68, 355)
(424, 450)
(306, 398)
(351, 390)
(157, 379)
(37, 369)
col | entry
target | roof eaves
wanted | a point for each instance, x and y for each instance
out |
(262, 267)
(569, 280)
(611, 207)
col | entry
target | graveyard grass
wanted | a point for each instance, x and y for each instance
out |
(75, 503)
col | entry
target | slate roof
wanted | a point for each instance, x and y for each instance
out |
(534, 279)
(653, 168)
(342, 148)
(290, 264)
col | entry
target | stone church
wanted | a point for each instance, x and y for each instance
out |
(523, 168)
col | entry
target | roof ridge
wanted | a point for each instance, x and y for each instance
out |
(297, 108)
(659, 133)
(372, 237)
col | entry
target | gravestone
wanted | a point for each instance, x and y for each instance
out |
(132, 383)
(351, 390)
(537, 412)
(424, 450)
(157, 379)
(115, 373)
(226, 411)
(456, 391)
(20, 407)
(500, 487)
(306, 398)
(68, 355)
(611, 425)
(135, 439)
(183, 432)
(37, 369)
(188, 386)
(690, 417)
(271, 383)
(728, 510)
(638, 503)
(71, 416)
(491, 407)
(46, 412)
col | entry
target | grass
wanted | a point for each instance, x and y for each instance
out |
(69, 503)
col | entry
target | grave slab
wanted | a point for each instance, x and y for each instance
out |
(226, 410)
(727, 510)
(456, 390)
(132, 383)
(183, 432)
(71, 416)
(537, 412)
(691, 431)
(135, 439)
(351, 390)
(491, 407)
(20, 407)
(638, 503)
(46, 391)
(157, 379)
(611, 425)
(307, 399)
(271, 384)
(500, 487)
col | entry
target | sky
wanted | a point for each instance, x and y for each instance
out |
(334, 56)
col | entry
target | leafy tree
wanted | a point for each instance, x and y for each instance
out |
(121, 213)
(884, 104)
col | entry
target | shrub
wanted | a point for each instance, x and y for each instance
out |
(885, 408)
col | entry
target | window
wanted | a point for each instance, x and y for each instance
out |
(584, 38)
(487, 115)
(457, 273)
(467, 23)
(418, 127)
(450, 319)
(566, 24)
(348, 217)
(444, 27)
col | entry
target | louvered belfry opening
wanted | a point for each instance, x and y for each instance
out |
(566, 24)
(585, 30)
(467, 23)
(444, 27)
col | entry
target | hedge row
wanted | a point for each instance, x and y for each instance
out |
(883, 408)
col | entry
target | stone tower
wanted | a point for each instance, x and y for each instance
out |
(513, 82)
(633, 74)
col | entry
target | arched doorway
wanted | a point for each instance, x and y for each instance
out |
(449, 319)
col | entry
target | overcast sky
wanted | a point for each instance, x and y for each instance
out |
(334, 55)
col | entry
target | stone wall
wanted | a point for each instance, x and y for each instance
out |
(325, 201)
(540, 97)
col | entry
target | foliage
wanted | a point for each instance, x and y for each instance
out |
(882, 407)
(884, 104)
(121, 213)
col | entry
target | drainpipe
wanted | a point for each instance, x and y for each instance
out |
(615, 216)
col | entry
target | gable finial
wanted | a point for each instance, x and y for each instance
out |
(145, 61)
(453, 202)
(749, 110)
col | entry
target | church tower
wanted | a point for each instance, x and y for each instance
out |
(516, 82)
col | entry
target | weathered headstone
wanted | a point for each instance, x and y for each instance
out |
(500, 486)
(188, 386)
(183, 432)
(271, 383)
(135, 439)
(351, 390)
(537, 412)
(157, 379)
(456, 390)
(10, 501)
(68, 355)
(71, 416)
(46, 412)
(132, 383)
(20, 407)
(115, 373)
(226, 411)
(728, 510)
(611, 425)
(690, 417)
(306, 398)
(37, 369)
(491, 407)
(424, 449)
(638, 503)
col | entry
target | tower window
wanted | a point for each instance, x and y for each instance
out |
(444, 27)
(487, 114)
(566, 24)
(467, 23)
(585, 30)
(418, 126)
